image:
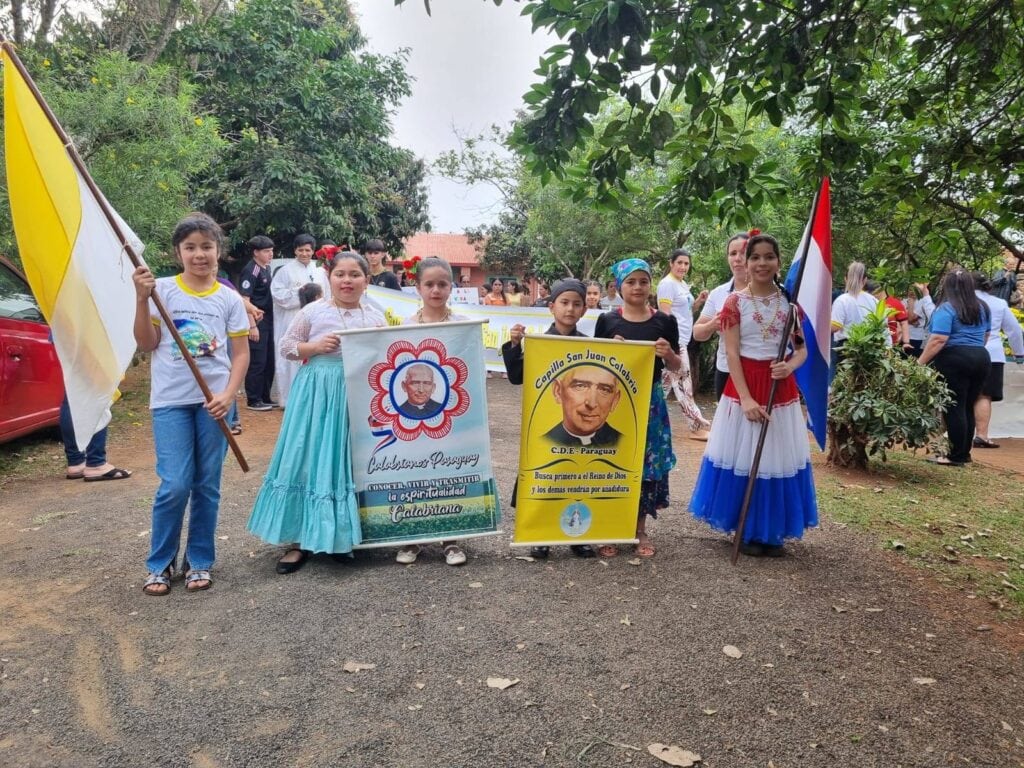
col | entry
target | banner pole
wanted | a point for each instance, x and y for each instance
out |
(125, 245)
(748, 493)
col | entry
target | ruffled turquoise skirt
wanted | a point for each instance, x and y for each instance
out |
(308, 496)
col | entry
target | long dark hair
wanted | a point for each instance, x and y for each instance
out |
(958, 290)
(761, 238)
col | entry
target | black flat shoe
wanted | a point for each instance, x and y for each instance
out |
(541, 553)
(752, 549)
(773, 550)
(583, 550)
(284, 567)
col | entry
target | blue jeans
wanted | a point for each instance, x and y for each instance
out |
(95, 453)
(190, 450)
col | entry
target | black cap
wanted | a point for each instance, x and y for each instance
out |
(568, 284)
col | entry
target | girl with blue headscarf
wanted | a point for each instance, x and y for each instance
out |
(635, 320)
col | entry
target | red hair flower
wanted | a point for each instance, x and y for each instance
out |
(754, 232)
(326, 253)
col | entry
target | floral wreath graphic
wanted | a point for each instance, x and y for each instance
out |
(386, 419)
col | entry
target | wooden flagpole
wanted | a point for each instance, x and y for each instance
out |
(128, 249)
(779, 357)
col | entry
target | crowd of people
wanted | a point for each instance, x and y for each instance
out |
(282, 330)
(961, 338)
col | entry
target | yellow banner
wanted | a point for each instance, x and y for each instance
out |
(585, 406)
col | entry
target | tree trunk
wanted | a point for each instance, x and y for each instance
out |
(166, 28)
(18, 21)
(46, 11)
(845, 448)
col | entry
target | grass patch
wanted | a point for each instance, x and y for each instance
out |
(51, 516)
(964, 525)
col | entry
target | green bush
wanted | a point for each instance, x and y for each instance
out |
(881, 399)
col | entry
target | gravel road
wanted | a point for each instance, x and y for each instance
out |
(848, 657)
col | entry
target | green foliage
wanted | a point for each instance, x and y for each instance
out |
(881, 399)
(307, 122)
(913, 108)
(139, 132)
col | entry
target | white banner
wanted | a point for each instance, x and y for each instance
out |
(420, 437)
(397, 306)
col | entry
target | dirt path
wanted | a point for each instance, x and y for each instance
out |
(849, 658)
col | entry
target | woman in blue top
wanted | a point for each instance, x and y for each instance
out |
(956, 349)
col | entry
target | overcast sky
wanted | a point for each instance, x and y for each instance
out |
(471, 62)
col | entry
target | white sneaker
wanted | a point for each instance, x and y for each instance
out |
(453, 555)
(407, 555)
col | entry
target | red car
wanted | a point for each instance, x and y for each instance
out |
(31, 381)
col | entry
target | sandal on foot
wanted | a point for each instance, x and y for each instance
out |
(193, 579)
(981, 442)
(161, 579)
(644, 550)
(284, 566)
(408, 554)
(236, 430)
(453, 555)
(608, 550)
(115, 474)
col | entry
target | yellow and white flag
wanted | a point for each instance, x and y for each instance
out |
(75, 263)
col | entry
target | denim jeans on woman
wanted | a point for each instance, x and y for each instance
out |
(190, 450)
(95, 453)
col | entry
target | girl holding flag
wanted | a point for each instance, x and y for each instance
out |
(783, 503)
(635, 320)
(190, 446)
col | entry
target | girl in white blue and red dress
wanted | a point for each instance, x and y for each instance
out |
(783, 503)
(635, 320)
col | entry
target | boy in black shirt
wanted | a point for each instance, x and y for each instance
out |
(376, 254)
(568, 304)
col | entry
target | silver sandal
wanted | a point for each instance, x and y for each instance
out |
(199, 575)
(163, 579)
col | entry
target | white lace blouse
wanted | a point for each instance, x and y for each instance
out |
(321, 317)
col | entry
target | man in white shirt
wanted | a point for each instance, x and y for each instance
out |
(285, 290)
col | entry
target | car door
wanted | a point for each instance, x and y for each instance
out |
(31, 382)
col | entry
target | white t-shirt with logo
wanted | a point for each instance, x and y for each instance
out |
(677, 296)
(206, 322)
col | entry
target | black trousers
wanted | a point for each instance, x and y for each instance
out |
(721, 379)
(965, 370)
(260, 375)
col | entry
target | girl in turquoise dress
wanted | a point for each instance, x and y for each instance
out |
(307, 501)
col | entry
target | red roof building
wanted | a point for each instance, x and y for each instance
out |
(455, 249)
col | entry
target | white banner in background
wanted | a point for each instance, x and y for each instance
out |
(397, 306)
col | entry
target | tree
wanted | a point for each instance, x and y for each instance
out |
(921, 102)
(550, 231)
(139, 132)
(307, 120)
(881, 399)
